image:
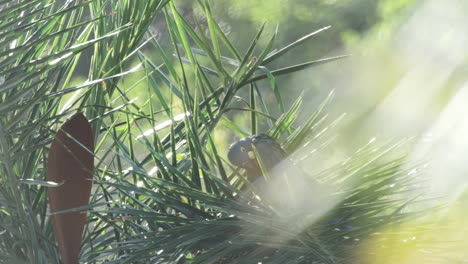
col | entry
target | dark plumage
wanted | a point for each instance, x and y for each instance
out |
(287, 188)
(242, 154)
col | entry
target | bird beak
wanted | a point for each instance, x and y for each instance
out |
(251, 155)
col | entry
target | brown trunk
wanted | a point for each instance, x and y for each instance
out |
(70, 163)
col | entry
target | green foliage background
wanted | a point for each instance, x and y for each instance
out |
(166, 90)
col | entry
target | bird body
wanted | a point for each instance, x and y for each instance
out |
(261, 154)
(296, 200)
(287, 188)
(242, 154)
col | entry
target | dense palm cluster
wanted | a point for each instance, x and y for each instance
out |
(166, 187)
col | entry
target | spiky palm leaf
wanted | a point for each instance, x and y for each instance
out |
(40, 45)
(163, 191)
(170, 197)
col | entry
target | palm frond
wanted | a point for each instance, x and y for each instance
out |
(169, 195)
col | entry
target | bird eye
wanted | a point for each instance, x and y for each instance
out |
(242, 149)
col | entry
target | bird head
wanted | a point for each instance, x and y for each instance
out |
(241, 154)
(245, 152)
